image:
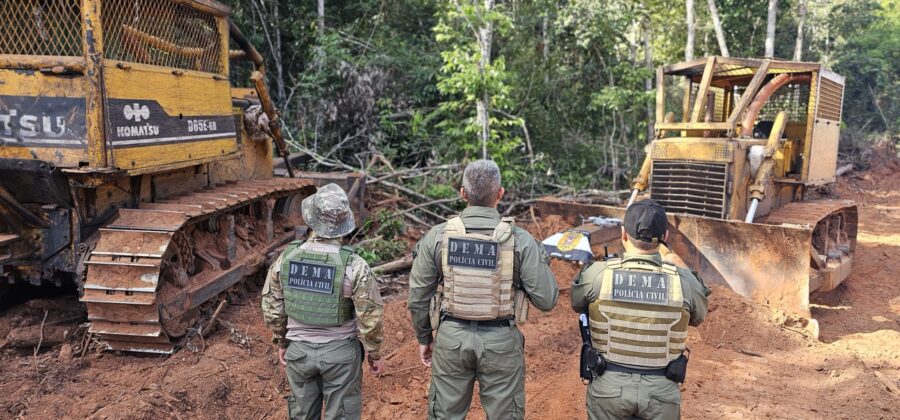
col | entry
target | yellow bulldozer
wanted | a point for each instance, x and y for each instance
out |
(127, 164)
(742, 148)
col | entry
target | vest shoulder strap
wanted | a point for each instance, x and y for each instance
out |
(504, 230)
(346, 252)
(614, 263)
(670, 268)
(454, 226)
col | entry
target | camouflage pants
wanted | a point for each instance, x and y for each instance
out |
(617, 395)
(493, 355)
(329, 373)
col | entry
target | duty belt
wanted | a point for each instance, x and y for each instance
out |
(624, 369)
(502, 322)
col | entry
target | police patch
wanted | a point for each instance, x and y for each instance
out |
(640, 287)
(473, 253)
(316, 278)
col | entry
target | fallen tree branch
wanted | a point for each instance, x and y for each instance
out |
(430, 203)
(396, 265)
(212, 320)
(399, 371)
(418, 195)
(412, 170)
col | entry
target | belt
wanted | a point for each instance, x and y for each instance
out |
(624, 369)
(500, 322)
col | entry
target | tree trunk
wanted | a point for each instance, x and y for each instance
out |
(689, 47)
(770, 29)
(801, 20)
(485, 35)
(717, 24)
(321, 18)
(648, 83)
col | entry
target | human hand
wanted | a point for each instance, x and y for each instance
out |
(425, 353)
(281, 352)
(377, 366)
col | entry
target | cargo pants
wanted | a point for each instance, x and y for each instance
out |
(618, 395)
(494, 355)
(329, 372)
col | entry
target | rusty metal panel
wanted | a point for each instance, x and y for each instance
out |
(140, 219)
(162, 33)
(40, 27)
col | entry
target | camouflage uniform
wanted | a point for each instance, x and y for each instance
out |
(324, 362)
(466, 351)
(615, 395)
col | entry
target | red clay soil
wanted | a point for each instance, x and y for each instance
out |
(744, 363)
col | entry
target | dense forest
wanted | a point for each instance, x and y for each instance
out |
(558, 91)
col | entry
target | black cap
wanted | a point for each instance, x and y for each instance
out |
(646, 221)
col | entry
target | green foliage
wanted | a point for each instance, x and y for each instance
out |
(566, 81)
(385, 229)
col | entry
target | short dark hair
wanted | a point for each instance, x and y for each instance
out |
(643, 245)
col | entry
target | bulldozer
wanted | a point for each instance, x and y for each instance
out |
(131, 168)
(743, 150)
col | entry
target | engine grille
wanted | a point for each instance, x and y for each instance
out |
(165, 33)
(40, 27)
(698, 188)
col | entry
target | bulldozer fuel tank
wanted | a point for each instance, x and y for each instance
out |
(154, 268)
(778, 262)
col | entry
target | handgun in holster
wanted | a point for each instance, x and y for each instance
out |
(591, 363)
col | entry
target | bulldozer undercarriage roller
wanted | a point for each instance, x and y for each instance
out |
(153, 267)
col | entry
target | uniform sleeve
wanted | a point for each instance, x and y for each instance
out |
(534, 274)
(369, 307)
(423, 282)
(273, 304)
(696, 294)
(586, 286)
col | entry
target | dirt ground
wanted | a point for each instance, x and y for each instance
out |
(744, 363)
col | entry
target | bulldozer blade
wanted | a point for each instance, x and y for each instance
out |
(768, 263)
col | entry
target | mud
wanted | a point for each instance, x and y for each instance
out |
(745, 363)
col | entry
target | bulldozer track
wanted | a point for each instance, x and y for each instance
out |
(154, 266)
(810, 213)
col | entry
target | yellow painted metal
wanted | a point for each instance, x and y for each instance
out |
(700, 102)
(92, 37)
(36, 84)
(695, 149)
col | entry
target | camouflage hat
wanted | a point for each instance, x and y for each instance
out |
(327, 212)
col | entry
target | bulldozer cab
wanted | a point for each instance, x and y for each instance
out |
(722, 111)
(114, 84)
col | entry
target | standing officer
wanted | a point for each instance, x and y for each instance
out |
(639, 308)
(473, 276)
(320, 300)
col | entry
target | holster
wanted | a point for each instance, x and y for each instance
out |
(676, 370)
(592, 363)
(434, 309)
(520, 306)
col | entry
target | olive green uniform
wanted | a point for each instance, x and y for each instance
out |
(616, 395)
(325, 363)
(492, 353)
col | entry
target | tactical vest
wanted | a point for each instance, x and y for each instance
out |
(313, 284)
(638, 317)
(478, 271)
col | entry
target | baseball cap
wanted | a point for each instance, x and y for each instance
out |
(646, 221)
